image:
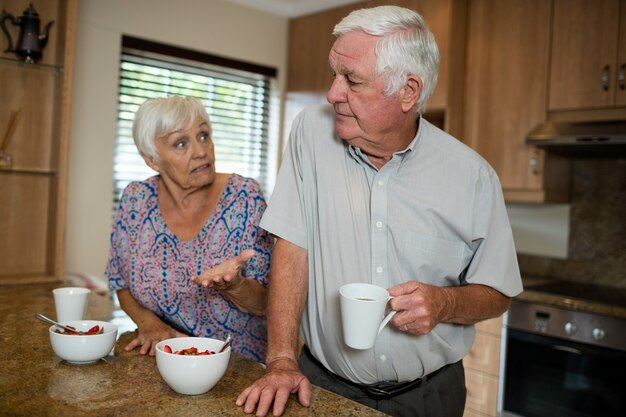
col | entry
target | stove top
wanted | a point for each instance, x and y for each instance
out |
(588, 292)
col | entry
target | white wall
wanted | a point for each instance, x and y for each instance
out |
(540, 229)
(212, 26)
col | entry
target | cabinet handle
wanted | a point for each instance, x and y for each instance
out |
(620, 77)
(604, 80)
(533, 162)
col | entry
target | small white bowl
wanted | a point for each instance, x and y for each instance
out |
(192, 374)
(83, 349)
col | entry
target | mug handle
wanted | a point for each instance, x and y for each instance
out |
(386, 320)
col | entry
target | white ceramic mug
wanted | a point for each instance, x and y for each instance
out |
(362, 311)
(70, 303)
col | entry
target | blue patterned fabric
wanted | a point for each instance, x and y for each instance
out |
(149, 259)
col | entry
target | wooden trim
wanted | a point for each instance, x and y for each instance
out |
(183, 53)
(588, 115)
(60, 220)
(29, 279)
(457, 59)
(536, 196)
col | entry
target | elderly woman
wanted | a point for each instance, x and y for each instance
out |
(187, 256)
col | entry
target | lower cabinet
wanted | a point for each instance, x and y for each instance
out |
(482, 365)
(482, 393)
(470, 413)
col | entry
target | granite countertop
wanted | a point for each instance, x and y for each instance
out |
(35, 382)
(532, 294)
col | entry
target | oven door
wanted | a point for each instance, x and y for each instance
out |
(550, 377)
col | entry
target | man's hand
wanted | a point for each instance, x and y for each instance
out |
(420, 307)
(282, 377)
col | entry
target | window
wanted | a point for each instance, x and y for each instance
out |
(239, 98)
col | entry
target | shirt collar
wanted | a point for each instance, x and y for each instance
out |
(360, 156)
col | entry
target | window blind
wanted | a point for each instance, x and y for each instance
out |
(239, 104)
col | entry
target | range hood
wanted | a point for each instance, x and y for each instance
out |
(594, 139)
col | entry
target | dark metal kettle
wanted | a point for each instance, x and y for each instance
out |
(30, 42)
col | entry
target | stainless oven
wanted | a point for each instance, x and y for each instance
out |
(562, 363)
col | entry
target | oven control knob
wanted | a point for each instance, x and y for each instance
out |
(597, 333)
(570, 328)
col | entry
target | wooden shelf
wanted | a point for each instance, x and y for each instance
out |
(34, 185)
(28, 171)
(54, 69)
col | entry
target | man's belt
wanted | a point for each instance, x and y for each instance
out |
(379, 391)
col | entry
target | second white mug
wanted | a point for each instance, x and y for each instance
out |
(70, 303)
(362, 311)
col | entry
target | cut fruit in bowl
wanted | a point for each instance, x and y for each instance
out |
(191, 365)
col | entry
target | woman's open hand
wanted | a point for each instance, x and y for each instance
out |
(226, 275)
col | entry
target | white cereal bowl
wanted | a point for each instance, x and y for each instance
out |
(192, 374)
(83, 349)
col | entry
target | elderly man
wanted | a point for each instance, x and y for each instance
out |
(369, 191)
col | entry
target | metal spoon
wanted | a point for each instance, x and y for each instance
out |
(50, 321)
(226, 344)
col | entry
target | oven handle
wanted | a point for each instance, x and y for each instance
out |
(565, 345)
(567, 349)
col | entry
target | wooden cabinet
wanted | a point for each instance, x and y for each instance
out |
(471, 413)
(482, 366)
(620, 64)
(310, 41)
(33, 187)
(506, 91)
(588, 63)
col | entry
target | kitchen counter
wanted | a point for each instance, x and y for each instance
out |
(36, 382)
(533, 294)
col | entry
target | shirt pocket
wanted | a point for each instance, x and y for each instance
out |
(435, 261)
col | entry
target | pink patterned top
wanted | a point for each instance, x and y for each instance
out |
(147, 257)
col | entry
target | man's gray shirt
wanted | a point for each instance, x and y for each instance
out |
(434, 214)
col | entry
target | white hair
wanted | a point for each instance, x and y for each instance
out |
(407, 46)
(157, 117)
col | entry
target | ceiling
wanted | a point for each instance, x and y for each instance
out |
(293, 8)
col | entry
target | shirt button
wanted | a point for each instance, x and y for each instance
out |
(379, 269)
(383, 358)
(381, 182)
(379, 224)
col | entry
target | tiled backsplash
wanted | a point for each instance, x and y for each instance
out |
(597, 241)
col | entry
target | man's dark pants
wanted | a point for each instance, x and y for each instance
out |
(440, 395)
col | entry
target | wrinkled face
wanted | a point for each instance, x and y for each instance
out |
(364, 116)
(186, 156)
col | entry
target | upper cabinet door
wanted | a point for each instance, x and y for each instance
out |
(583, 71)
(620, 90)
(506, 87)
(310, 41)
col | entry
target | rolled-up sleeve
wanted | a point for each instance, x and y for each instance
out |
(285, 215)
(495, 261)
